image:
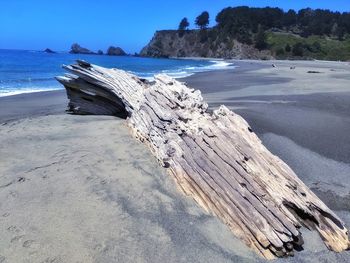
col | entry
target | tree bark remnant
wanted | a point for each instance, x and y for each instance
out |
(213, 156)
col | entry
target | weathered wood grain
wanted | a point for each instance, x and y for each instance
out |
(214, 158)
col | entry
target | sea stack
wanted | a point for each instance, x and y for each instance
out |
(77, 49)
(115, 51)
(49, 51)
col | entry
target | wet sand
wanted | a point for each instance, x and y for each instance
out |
(32, 105)
(81, 189)
(291, 104)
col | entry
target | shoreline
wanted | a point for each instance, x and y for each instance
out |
(15, 93)
(27, 105)
(60, 87)
(239, 65)
(51, 160)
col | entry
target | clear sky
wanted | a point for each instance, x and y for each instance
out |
(97, 24)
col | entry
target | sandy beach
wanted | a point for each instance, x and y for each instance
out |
(81, 189)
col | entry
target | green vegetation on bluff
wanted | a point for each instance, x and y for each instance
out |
(285, 45)
(244, 22)
(244, 32)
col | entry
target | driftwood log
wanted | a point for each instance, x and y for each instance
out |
(213, 156)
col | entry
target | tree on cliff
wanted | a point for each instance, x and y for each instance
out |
(202, 21)
(184, 24)
(260, 39)
(288, 48)
(298, 50)
(290, 18)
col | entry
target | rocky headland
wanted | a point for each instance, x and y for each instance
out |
(199, 43)
(258, 33)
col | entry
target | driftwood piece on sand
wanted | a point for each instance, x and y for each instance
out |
(213, 156)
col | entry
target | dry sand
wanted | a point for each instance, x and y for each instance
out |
(81, 189)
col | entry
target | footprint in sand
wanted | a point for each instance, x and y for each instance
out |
(16, 238)
(21, 179)
(6, 215)
(52, 260)
(13, 194)
(100, 247)
(30, 244)
(14, 229)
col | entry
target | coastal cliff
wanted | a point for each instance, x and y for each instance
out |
(258, 33)
(199, 43)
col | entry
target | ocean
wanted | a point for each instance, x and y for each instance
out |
(23, 71)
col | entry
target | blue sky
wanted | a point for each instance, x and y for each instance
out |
(37, 24)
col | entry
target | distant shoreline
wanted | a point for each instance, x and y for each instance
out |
(34, 71)
(14, 107)
(53, 101)
(240, 65)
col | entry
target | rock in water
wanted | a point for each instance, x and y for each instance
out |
(49, 51)
(115, 51)
(100, 52)
(77, 49)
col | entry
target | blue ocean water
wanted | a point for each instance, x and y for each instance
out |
(32, 71)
